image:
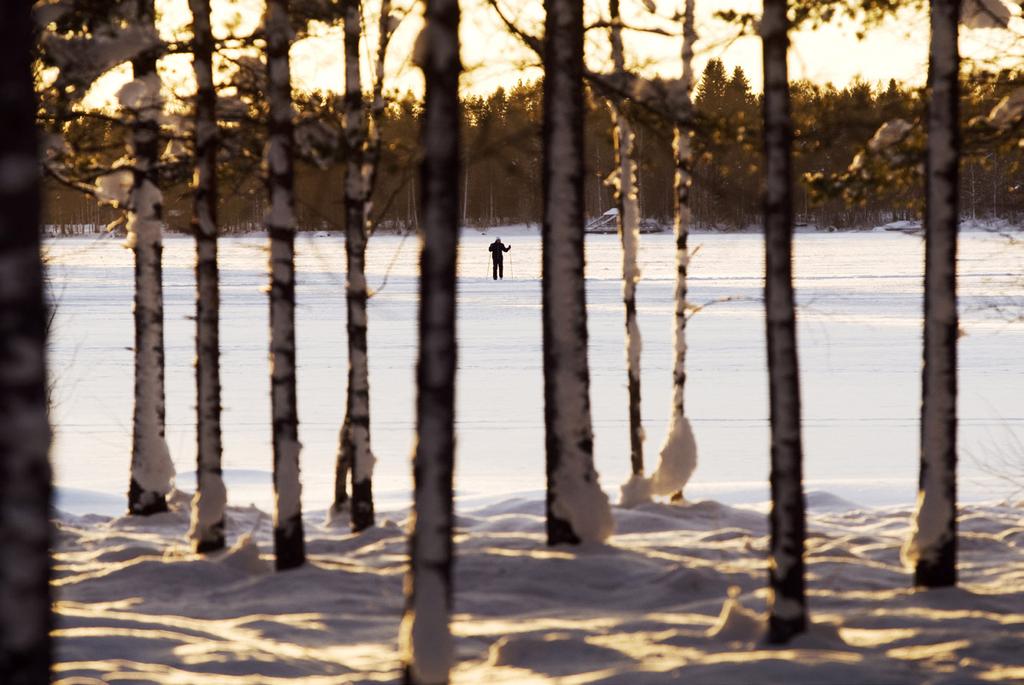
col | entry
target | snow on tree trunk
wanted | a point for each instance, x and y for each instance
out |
(425, 640)
(289, 547)
(787, 607)
(354, 449)
(678, 456)
(624, 183)
(25, 619)
(152, 470)
(577, 508)
(208, 505)
(932, 545)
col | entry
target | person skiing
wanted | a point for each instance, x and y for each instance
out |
(497, 250)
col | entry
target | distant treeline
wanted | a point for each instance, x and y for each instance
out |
(501, 178)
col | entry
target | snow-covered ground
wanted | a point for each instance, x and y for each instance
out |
(860, 351)
(675, 597)
(672, 598)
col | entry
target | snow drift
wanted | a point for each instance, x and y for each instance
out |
(677, 596)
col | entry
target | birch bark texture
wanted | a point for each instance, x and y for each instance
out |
(931, 548)
(624, 185)
(787, 611)
(577, 509)
(678, 457)
(289, 546)
(152, 471)
(25, 618)
(210, 500)
(354, 453)
(425, 641)
(387, 25)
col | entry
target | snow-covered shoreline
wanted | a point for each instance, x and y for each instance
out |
(672, 598)
(253, 488)
(533, 229)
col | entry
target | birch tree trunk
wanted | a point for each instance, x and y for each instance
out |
(425, 641)
(371, 158)
(363, 144)
(152, 471)
(25, 619)
(787, 608)
(932, 546)
(289, 546)
(678, 457)
(628, 220)
(211, 496)
(577, 508)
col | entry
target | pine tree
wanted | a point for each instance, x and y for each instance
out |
(152, 470)
(787, 606)
(25, 618)
(711, 90)
(426, 642)
(577, 508)
(737, 91)
(932, 547)
(289, 546)
(211, 497)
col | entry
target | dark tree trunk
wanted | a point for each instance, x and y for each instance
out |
(210, 499)
(569, 440)
(627, 196)
(289, 546)
(152, 469)
(933, 546)
(426, 641)
(25, 619)
(787, 606)
(354, 450)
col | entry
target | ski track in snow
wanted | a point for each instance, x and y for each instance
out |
(651, 607)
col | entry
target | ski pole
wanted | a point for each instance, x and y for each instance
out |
(511, 267)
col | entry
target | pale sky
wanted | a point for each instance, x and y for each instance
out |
(492, 57)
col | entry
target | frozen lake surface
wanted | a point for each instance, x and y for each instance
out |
(860, 353)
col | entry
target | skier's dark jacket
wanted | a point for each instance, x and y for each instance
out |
(497, 248)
